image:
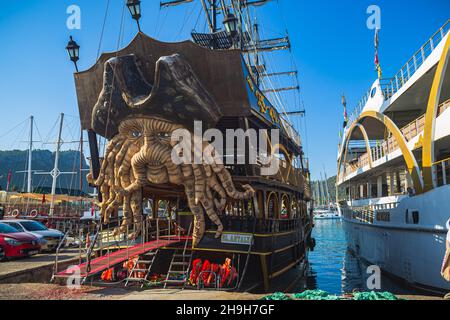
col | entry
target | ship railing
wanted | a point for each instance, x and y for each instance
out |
(391, 86)
(286, 173)
(263, 226)
(383, 148)
(442, 172)
(369, 213)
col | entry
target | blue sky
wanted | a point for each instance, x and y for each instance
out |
(331, 46)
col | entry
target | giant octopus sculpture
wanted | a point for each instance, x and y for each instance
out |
(139, 119)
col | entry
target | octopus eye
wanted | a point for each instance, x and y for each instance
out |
(164, 135)
(136, 134)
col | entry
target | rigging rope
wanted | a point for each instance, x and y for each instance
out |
(103, 29)
(14, 128)
(119, 41)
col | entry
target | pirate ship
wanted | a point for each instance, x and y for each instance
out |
(202, 214)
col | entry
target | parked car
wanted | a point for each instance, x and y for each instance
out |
(17, 244)
(2, 253)
(52, 237)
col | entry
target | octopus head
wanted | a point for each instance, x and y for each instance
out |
(153, 137)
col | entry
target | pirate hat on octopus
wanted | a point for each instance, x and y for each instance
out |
(176, 95)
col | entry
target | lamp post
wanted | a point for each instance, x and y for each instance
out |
(74, 52)
(231, 25)
(134, 6)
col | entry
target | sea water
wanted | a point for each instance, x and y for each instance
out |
(333, 268)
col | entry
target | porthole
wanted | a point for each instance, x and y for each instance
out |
(374, 92)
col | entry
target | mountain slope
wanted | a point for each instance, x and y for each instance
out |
(43, 161)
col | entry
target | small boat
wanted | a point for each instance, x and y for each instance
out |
(326, 214)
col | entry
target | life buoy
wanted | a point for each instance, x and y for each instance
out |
(15, 213)
(33, 213)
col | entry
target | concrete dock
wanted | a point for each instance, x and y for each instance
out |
(35, 269)
(37, 291)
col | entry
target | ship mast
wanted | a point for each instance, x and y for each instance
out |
(55, 172)
(326, 188)
(30, 157)
(246, 38)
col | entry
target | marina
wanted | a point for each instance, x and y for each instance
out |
(193, 169)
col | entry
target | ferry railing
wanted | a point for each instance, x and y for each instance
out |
(410, 131)
(368, 213)
(391, 86)
(442, 172)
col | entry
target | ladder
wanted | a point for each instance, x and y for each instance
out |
(145, 259)
(180, 264)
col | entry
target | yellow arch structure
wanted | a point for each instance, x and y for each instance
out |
(355, 125)
(410, 160)
(430, 119)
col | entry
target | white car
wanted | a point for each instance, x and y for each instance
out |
(51, 237)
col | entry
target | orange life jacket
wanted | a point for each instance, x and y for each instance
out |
(108, 275)
(196, 267)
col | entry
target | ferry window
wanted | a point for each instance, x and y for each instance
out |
(374, 91)
(415, 217)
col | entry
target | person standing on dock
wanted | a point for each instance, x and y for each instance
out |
(446, 264)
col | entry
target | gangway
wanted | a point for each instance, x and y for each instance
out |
(98, 265)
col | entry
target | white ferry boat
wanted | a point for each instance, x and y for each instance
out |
(394, 165)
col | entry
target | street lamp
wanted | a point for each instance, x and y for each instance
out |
(231, 24)
(74, 52)
(135, 9)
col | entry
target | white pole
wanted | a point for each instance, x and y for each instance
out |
(326, 188)
(322, 190)
(30, 155)
(56, 172)
(319, 192)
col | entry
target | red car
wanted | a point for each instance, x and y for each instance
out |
(17, 244)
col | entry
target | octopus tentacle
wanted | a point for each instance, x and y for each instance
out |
(125, 168)
(118, 163)
(126, 205)
(136, 208)
(214, 184)
(139, 165)
(199, 219)
(227, 181)
(108, 150)
(200, 182)
(208, 204)
(107, 177)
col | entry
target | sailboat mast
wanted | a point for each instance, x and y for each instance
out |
(30, 156)
(321, 190)
(326, 188)
(55, 173)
